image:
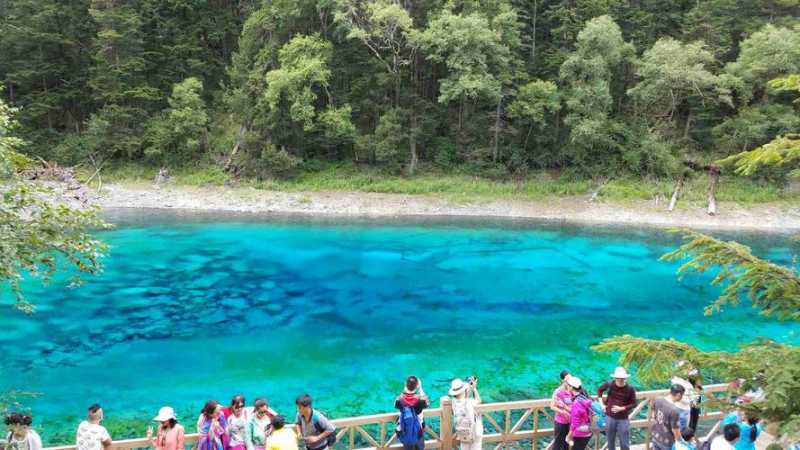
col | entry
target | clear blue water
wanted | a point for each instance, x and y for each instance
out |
(190, 309)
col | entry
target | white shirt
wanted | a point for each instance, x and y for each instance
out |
(91, 436)
(468, 404)
(689, 394)
(719, 443)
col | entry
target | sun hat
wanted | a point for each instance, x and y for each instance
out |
(620, 372)
(164, 414)
(457, 386)
(574, 382)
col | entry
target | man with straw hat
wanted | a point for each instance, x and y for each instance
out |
(618, 405)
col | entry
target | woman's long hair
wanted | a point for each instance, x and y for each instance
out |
(209, 408)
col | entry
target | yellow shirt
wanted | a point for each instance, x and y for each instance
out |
(283, 439)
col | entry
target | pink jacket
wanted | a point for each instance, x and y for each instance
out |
(581, 417)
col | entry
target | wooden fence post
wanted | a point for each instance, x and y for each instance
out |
(446, 423)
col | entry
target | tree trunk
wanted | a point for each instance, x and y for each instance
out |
(496, 143)
(688, 125)
(239, 139)
(412, 145)
(533, 33)
(713, 172)
(675, 194)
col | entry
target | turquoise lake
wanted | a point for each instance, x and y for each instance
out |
(191, 308)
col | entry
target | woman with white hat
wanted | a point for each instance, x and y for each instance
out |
(170, 434)
(468, 423)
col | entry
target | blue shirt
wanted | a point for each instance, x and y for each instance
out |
(744, 442)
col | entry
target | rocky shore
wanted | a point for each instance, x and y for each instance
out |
(767, 217)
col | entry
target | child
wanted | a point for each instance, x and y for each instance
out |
(687, 442)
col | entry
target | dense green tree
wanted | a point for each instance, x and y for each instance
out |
(596, 139)
(179, 133)
(534, 108)
(675, 81)
(45, 66)
(767, 54)
(783, 152)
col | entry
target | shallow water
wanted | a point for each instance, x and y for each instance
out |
(190, 308)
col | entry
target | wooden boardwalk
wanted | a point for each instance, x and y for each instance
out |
(518, 425)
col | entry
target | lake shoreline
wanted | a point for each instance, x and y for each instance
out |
(571, 209)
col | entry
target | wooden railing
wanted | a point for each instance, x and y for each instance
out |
(507, 425)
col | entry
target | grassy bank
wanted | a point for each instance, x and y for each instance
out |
(537, 186)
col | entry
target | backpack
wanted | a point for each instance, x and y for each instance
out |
(465, 423)
(331, 439)
(600, 415)
(409, 430)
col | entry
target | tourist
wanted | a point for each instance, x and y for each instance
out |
(749, 428)
(170, 434)
(20, 434)
(282, 438)
(665, 429)
(91, 435)
(559, 403)
(259, 426)
(618, 406)
(580, 415)
(729, 437)
(687, 440)
(315, 429)
(684, 405)
(468, 423)
(212, 428)
(237, 424)
(696, 397)
(228, 410)
(410, 424)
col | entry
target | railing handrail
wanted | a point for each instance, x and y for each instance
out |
(352, 423)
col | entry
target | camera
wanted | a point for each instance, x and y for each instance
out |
(471, 380)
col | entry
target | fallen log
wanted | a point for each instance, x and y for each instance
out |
(675, 193)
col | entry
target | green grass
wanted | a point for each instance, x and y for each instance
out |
(458, 186)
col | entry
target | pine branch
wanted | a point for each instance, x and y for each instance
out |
(656, 360)
(772, 288)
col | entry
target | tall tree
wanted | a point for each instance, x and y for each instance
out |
(675, 80)
(588, 74)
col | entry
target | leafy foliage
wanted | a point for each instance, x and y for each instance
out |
(774, 289)
(38, 236)
(782, 152)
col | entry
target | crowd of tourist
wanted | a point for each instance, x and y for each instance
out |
(577, 417)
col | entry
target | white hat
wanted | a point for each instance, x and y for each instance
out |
(457, 386)
(574, 382)
(165, 414)
(620, 372)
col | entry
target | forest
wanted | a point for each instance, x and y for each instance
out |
(492, 88)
